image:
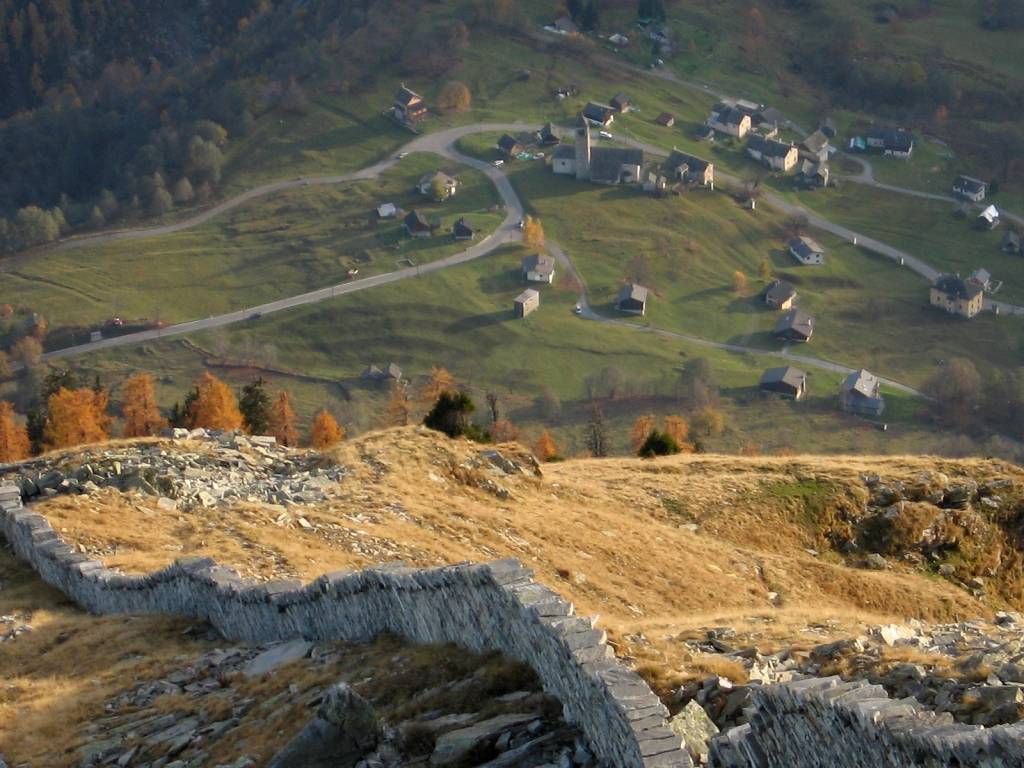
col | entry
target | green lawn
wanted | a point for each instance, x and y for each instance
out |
(274, 247)
(870, 311)
(462, 319)
(924, 228)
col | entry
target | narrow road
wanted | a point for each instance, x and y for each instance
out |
(441, 143)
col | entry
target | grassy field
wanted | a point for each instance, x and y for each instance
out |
(925, 228)
(295, 241)
(870, 311)
(462, 319)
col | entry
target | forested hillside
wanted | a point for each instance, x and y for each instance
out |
(116, 108)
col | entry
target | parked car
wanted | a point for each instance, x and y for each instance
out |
(499, 163)
(605, 135)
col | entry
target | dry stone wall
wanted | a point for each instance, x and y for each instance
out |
(829, 723)
(494, 606)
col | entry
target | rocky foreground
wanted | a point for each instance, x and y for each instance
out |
(204, 469)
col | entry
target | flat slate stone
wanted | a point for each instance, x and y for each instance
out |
(277, 656)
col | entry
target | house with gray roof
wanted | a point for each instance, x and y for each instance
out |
(780, 295)
(787, 382)
(970, 188)
(815, 146)
(633, 299)
(1011, 243)
(416, 224)
(726, 118)
(806, 250)
(777, 155)
(795, 326)
(539, 268)
(600, 114)
(684, 167)
(861, 393)
(957, 296)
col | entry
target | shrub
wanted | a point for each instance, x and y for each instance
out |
(658, 444)
(450, 415)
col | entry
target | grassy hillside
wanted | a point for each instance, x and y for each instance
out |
(273, 247)
(654, 547)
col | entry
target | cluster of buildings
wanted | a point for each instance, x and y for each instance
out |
(625, 165)
(860, 392)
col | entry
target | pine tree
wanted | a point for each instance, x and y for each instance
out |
(14, 443)
(441, 381)
(546, 448)
(141, 415)
(282, 420)
(255, 407)
(214, 405)
(326, 431)
(74, 417)
(399, 406)
(642, 428)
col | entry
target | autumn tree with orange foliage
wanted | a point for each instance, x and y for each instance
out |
(399, 405)
(677, 428)
(214, 405)
(546, 448)
(642, 428)
(141, 416)
(454, 97)
(440, 381)
(533, 233)
(28, 351)
(326, 431)
(504, 431)
(14, 443)
(76, 416)
(282, 420)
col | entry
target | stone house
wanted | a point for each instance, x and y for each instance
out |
(957, 296)
(684, 167)
(526, 302)
(970, 188)
(780, 295)
(599, 114)
(416, 224)
(777, 155)
(728, 119)
(806, 250)
(409, 106)
(632, 299)
(794, 326)
(861, 393)
(787, 382)
(539, 268)
(461, 230)
(509, 145)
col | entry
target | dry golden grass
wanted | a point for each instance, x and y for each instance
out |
(56, 677)
(610, 534)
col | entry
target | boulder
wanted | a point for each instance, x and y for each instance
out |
(453, 747)
(695, 728)
(346, 728)
(277, 656)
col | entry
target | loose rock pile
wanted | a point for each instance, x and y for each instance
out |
(190, 469)
(520, 729)
(972, 670)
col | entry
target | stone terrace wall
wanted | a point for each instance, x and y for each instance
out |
(496, 606)
(828, 723)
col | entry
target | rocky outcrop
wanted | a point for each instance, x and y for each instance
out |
(198, 469)
(827, 722)
(345, 728)
(480, 607)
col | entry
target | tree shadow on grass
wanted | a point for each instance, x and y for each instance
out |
(476, 322)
